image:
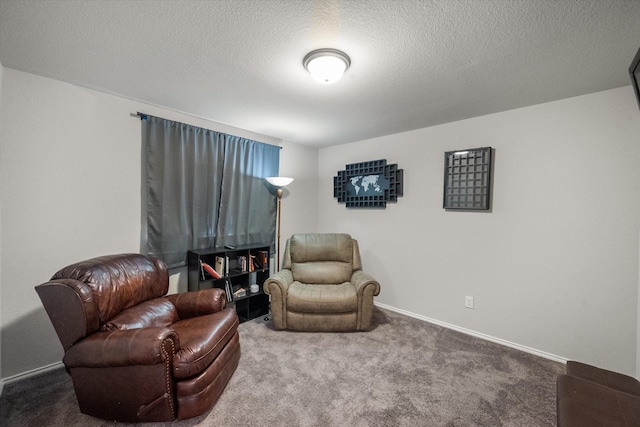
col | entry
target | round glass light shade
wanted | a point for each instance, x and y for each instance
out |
(326, 65)
(279, 181)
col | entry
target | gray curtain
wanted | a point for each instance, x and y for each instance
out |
(204, 189)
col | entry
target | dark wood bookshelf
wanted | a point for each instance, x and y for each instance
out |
(244, 266)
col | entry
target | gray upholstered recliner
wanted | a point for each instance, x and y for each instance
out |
(321, 286)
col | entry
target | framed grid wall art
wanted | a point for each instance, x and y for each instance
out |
(467, 179)
(368, 184)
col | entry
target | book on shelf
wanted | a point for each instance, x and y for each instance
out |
(244, 264)
(255, 263)
(227, 290)
(263, 259)
(204, 267)
(220, 266)
(239, 292)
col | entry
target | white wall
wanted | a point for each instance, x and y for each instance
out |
(300, 198)
(70, 170)
(553, 267)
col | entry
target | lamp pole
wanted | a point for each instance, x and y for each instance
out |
(279, 182)
(279, 193)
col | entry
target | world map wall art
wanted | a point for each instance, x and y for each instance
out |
(368, 184)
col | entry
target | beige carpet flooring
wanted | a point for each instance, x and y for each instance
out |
(404, 372)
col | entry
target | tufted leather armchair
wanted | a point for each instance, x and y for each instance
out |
(135, 354)
(321, 286)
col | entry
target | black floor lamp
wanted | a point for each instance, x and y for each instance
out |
(279, 182)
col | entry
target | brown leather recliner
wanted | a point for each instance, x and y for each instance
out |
(133, 353)
(321, 286)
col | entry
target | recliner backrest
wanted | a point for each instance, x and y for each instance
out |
(320, 258)
(119, 281)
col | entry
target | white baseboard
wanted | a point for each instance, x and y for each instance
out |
(31, 373)
(476, 334)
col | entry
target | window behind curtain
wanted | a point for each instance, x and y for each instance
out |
(203, 189)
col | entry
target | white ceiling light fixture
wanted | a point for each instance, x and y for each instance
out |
(326, 65)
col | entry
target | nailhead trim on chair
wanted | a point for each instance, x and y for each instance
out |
(168, 375)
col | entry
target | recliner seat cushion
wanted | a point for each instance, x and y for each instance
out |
(201, 340)
(156, 312)
(313, 298)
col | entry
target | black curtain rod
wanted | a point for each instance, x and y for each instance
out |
(140, 115)
(144, 116)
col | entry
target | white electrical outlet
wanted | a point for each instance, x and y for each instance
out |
(468, 302)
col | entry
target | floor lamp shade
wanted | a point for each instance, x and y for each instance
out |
(279, 182)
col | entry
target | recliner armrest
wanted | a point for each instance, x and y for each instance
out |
(278, 283)
(146, 346)
(72, 308)
(277, 286)
(364, 281)
(198, 303)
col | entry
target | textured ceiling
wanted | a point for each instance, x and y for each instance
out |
(414, 63)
